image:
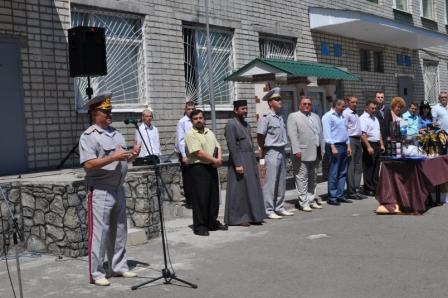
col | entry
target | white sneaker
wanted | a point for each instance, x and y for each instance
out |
(102, 282)
(128, 274)
(314, 205)
(306, 209)
(285, 213)
(274, 216)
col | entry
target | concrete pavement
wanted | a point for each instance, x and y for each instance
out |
(339, 251)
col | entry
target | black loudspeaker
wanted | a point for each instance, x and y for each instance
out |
(87, 51)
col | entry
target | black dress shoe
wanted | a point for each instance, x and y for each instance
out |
(361, 196)
(369, 193)
(256, 223)
(202, 233)
(333, 202)
(344, 200)
(219, 226)
(354, 197)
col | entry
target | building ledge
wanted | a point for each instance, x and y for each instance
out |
(375, 29)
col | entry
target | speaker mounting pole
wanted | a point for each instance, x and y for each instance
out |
(89, 90)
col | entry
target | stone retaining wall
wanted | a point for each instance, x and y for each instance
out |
(52, 214)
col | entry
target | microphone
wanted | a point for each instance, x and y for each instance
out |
(131, 121)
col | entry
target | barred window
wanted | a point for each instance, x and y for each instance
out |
(277, 48)
(431, 80)
(125, 57)
(196, 65)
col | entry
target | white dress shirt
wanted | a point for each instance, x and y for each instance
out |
(353, 124)
(183, 126)
(151, 137)
(370, 126)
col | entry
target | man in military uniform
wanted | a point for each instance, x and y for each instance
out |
(103, 155)
(272, 139)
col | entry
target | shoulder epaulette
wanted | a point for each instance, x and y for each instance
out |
(90, 130)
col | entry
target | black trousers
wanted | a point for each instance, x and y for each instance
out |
(355, 166)
(205, 191)
(371, 166)
(187, 185)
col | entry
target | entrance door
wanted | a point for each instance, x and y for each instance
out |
(12, 121)
(406, 88)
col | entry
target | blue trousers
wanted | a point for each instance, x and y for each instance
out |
(337, 173)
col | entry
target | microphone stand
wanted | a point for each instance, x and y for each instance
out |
(167, 275)
(16, 232)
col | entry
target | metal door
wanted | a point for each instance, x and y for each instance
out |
(406, 88)
(12, 121)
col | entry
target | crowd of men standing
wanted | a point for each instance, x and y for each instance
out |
(351, 143)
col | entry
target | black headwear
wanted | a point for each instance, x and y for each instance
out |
(239, 103)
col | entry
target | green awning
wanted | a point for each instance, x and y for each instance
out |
(262, 69)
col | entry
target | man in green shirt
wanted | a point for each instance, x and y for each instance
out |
(204, 156)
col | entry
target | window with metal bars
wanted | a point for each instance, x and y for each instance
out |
(277, 48)
(431, 80)
(125, 57)
(196, 65)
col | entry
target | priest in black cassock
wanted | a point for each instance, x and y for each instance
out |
(244, 199)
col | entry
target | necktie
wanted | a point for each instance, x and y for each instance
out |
(314, 128)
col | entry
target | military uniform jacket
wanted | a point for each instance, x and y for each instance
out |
(97, 142)
(273, 127)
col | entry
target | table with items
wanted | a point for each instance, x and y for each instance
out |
(405, 183)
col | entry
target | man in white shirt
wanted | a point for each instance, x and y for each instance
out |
(355, 165)
(439, 111)
(183, 126)
(150, 135)
(372, 144)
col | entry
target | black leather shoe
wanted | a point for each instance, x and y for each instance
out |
(361, 196)
(222, 227)
(344, 200)
(354, 197)
(256, 223)
(202, 233)
(219, 226)
(369, 193)
(333, 202)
